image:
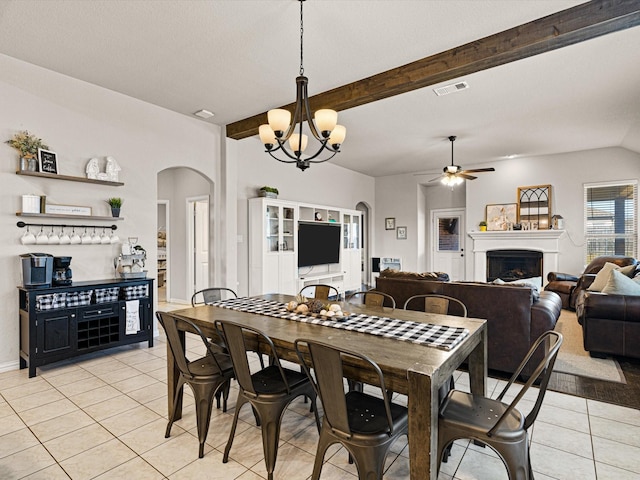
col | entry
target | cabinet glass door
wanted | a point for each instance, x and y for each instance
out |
(355, 232)
(272, 226)
(346, 227)
(288, 229)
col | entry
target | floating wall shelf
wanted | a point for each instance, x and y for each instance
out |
(73, 217)
(68, 178)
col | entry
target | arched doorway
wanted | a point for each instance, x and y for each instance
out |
(177, 187)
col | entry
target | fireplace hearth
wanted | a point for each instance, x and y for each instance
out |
(509, 265)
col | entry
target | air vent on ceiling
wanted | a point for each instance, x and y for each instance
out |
(454, 87)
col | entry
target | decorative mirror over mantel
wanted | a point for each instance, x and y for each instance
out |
(534, 207)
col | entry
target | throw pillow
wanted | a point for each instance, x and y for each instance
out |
(629, 270)
(619, 284)
(602, 277)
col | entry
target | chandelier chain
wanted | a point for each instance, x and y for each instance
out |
(301, 35)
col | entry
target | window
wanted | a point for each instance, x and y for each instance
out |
(611, 219)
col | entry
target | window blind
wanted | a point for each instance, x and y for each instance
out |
(611, 219)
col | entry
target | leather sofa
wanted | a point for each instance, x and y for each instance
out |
(515, 317)
(610, 322)
(569, 286)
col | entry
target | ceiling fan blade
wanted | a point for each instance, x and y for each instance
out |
(478, 170)
(465, 176)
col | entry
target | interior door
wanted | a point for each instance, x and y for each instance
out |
(199, 242)
(447, 245)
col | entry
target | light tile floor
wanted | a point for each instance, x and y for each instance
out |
(104, 415)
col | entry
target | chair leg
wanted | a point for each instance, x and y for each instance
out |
(179, 388)
(324, 442)
(239, 403)
(204, 394)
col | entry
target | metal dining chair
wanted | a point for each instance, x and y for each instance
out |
(207, 376)
(366, 425)
(320, 291)
(436, 303)
(443, 305)
(496, 423)
(373, 298)
(210, 295)
(269, 390)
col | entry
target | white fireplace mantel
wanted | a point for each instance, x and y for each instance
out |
(545, 241)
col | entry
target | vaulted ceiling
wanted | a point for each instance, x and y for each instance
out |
(239, 58)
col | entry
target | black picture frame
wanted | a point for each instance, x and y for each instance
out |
(47, 161)
(390, 223)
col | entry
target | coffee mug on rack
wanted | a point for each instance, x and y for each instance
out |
(95, 239)
(28, 238)
(86, 238)
(42, 238)
(64, 238)
(75, 238)
(54, 239)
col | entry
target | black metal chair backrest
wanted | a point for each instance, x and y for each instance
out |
(212, 294)
(236, 342)
(320, 291)
(170, 324)
(540, 375)
(327, 363)
(373, 298)
(436, 303)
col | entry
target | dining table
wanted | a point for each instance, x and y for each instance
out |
(413, 369)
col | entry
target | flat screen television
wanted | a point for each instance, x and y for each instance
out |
(318, 243)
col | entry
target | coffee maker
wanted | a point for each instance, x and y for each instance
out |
(61, 271)
(36, 269)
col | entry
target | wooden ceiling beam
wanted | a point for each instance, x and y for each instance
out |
(574, 25)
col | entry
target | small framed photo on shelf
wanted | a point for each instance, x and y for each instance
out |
(401, 233)
(389, 223)
(47, 161)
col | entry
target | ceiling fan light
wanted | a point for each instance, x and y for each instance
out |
(326, 119)
(458, 180)
(279, 120)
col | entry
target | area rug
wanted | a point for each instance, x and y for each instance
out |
(573, 358)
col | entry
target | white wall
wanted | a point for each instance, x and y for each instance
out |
(404, 198)
(79, 121)
(567, 173)
(323, 184)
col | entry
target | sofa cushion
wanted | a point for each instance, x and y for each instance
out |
(602, 277)
(619, 284)
(534, 283)
(433, 276)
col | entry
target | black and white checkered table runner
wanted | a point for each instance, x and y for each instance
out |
(440, 336)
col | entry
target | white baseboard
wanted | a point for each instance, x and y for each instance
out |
(8, 366)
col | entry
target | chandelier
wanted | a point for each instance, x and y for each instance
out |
(323, 126)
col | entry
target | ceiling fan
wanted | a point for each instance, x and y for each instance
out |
(454, 175)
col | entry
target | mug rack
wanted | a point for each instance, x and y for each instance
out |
(22, 224)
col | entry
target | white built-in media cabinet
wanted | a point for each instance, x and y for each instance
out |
(274, 247)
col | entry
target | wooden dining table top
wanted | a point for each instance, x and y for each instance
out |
(394, 356)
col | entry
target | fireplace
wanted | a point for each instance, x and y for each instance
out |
(509, 265)
(544, 241)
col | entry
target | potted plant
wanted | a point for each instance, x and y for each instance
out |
(115, 203)
(483, 226)
(269, 192)
(28, 146)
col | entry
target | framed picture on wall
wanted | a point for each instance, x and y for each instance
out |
(389, 223)
(401, 233)
(501, 216)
